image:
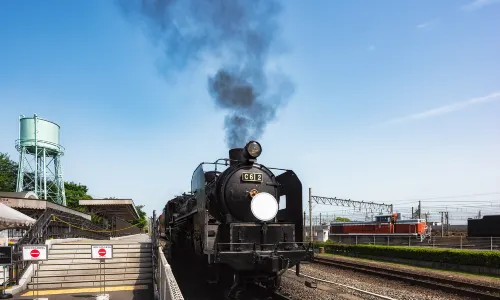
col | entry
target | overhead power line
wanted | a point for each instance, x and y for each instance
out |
(448, 197)
(361, 205)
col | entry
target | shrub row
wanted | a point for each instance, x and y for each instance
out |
(462, 257)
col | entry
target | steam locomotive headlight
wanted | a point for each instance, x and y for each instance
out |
(264, 206)
(253, 149)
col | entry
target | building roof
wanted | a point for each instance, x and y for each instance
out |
(32, 207)
(11, 218)
(121, 208)
(25, 195)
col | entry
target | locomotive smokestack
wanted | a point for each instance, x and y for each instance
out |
(236, 154)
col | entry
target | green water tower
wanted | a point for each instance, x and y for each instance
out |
(40, 153)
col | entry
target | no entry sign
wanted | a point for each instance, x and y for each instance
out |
(102, 251)
(35, 252)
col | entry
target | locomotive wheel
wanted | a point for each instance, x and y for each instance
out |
(229, 283)
(274, 283)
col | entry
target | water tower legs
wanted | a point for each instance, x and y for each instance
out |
(42, 171)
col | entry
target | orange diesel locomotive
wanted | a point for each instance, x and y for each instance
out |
(384, 224)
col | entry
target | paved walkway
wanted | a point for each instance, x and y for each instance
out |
(128, 292)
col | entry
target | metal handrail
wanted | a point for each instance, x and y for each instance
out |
(60, 148)
(275, 245)
(42, 231)
(154, 250)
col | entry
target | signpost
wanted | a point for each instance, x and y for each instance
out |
(5, 260)
(102, 252)
(35, 253)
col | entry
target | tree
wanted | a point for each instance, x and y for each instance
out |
(142, 221)
(340, 219)
(75, 192)
(8, 173)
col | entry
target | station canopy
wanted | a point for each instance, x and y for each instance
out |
(29, 204)
(121, 208)
(11, 218)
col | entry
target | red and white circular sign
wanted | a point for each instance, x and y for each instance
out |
(35, 253)
(102, 252)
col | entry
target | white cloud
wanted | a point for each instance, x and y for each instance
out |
(448, 108)
(478, 4)
(428, 24)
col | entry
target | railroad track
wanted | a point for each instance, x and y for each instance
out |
(315, 280)
(278, 296)
(266, 295)
(466, 289)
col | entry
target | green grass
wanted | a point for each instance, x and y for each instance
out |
(444, 272)
(462, 257)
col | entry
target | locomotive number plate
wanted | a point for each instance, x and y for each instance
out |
(252, 177)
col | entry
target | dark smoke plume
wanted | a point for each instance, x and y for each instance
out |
(240, 33)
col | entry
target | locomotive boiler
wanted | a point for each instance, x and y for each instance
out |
(243, 223)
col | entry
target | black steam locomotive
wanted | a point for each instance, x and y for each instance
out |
(233, 223)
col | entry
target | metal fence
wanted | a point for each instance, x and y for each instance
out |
(166, 287)
(448, 242)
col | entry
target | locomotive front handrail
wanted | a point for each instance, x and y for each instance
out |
(276, 245)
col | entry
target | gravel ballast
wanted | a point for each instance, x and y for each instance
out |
(394, 289)
(471, 278)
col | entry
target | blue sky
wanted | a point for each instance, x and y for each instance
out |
(394, 100)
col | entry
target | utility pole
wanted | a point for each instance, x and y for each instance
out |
(304, 227)
(419, 209)
(310, 216)
(320, 219)
(442, 223)
(447, 224)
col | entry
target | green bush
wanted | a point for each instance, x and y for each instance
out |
(462, 257)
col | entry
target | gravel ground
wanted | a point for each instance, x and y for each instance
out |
(294, 287)
(484, 280)
(397, 290)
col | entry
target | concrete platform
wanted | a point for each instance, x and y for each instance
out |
(137, 292)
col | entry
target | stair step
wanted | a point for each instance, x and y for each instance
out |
(115, 246)
(88, 255)
(65, 261)
(92, 277)
(94, 266)
(88, 250)
(70, 265)
(78, 272)
(88, 283)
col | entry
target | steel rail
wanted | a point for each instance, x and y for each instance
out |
(346, 286)
(269, 295)
(467, 289)
(278, 296)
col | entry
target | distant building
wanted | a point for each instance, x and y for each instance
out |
(320, 233)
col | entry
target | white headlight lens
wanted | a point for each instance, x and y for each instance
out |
(254, 149)
(264, 206)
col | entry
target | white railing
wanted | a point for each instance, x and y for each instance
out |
(449, 242)
(167, 285)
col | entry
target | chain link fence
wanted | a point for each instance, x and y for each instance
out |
(447, 242)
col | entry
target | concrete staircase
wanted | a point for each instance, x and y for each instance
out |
(70, 265)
